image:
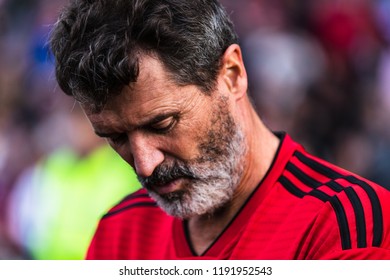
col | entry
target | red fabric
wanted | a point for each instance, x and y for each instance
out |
(304, 208)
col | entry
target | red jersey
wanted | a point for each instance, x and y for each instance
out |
(304, 208)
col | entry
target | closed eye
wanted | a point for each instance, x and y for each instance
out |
(165, 125)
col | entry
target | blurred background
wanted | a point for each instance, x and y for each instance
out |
(318, 69)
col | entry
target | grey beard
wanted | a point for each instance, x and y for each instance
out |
(210, 184)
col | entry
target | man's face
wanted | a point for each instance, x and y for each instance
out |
(185, 146)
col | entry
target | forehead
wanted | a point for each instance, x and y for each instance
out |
(154, 93)
(153, 84)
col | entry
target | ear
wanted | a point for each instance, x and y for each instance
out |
(233, 71)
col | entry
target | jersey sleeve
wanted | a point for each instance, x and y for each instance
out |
(340, 233)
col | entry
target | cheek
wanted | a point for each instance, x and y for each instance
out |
(184, 142)
(183, 146)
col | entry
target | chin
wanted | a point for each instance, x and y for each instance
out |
(187, 204)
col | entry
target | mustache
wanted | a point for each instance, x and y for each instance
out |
(165, 173)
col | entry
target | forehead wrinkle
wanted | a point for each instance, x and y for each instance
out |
(155, 92)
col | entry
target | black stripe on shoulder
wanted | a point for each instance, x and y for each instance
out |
(286, 183)
(333, 185)
(359, 214)
(350, 193)
(373, 197)
(342, 221)
(320, 195)
(376, 209)
(135, 205)
(294, 190)
(334, 202)
(307, 180)
(319, 167)
(134, 196)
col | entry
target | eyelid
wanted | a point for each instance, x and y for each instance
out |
(161, 125)
(164, 125)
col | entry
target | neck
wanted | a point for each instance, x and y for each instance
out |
(262, 145)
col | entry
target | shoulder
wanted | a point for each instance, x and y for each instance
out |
(134, 216)
(131, 229)
(353, 212)
(137, 200)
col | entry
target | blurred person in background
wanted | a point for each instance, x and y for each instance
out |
(43, 166)
(166, 85)
(57, 202)
(318, 70)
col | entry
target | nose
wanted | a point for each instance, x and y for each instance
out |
(145, 154)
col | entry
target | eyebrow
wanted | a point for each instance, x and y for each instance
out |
(146, 123)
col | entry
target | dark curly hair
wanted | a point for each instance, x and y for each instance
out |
(97, 44)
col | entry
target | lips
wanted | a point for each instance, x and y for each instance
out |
(166, 188)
